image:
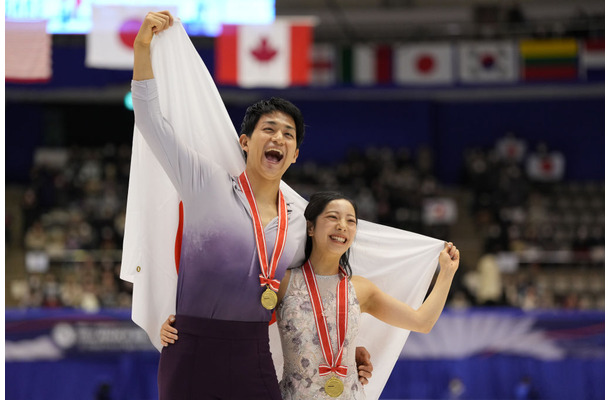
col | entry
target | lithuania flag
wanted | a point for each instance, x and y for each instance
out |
(549, 59)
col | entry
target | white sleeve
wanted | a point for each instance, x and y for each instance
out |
(182, 165)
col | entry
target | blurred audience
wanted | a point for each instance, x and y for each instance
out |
(540, 236)
(73, 217)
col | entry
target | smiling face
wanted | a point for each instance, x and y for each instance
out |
(334, 229)
(272, 147)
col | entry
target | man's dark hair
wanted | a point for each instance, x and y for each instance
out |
(263, 107)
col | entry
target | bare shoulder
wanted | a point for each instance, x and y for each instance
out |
(283, 285)
(364, 288)
(362, 283)
(358, 280)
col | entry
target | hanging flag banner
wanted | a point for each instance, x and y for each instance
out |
(424, 64)
(549, 59)
(323, 63)
(114, 28)
(487, 62)
(592, 54)
(372, 64)
(27, 52)
(274, 55)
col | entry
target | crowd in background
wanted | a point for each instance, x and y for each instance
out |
(542, 239)
(73, 216)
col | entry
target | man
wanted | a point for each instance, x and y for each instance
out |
(227, 277)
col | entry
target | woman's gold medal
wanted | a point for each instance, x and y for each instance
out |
(269, 299)
(333, 387)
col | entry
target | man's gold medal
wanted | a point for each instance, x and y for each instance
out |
(269, 299)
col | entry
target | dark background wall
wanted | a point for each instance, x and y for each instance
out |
(572, 126)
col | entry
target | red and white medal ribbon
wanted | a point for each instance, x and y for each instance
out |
(267, 268)
(333, 363)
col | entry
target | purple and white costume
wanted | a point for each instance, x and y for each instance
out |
(219, 266)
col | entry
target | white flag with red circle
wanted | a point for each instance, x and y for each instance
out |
(423, 64)
(272, 55)
(114, 28)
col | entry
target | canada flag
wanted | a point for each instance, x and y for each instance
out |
(275, 55)
(110, 41)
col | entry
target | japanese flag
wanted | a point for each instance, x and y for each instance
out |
(110, 42)
(273, 55)
(424, 64)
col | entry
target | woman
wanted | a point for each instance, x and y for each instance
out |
(320, 305)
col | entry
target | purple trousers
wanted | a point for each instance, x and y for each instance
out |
(215, 359)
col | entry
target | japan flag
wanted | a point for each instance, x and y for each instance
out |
(424, 64)
(110, 41)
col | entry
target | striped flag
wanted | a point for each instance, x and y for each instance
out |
(424, 64)
(273, 55)
(481, 62)
(110, 42)
(323, 64)
(365, 64)
(549, 59)
(592, 65)
(27, 52)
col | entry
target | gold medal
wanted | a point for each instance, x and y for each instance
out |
(269, 299)
(333, 387)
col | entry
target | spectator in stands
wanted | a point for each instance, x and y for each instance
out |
(36, 237)
(490, 279)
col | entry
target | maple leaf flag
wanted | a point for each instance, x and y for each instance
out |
(274, 55)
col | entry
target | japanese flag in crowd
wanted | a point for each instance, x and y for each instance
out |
(423, 64)
(439, 211)
(27, 52)
(110, 41)
(272, 55)
(481, 62)
(545, 167)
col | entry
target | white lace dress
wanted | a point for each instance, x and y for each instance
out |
(301, 345)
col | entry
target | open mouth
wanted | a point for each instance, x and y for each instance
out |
(339, 239)
(274, 155)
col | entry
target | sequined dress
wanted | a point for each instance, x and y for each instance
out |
(301, 345)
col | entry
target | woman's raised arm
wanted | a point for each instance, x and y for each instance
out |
(396, 313)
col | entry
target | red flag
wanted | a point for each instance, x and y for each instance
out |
(274, 55)
(27, 52)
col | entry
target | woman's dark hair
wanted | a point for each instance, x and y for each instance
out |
(317, 204)
(263, 107)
